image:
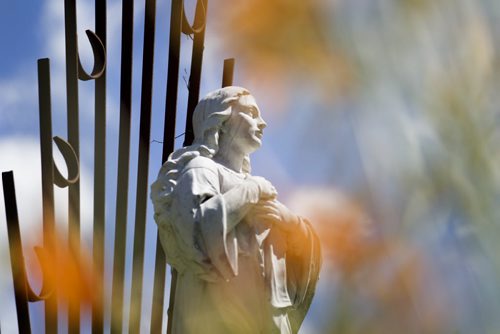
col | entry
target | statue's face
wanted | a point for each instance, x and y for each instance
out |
(245, 126)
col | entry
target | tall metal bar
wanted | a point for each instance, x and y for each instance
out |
(198, 30)
(168, 147)
(44, 102)
(171, 301)
(123, 167)
(99, 176)
(73, 139)
(227, 73)
(158, 288)
(195, 75)
(16, 253)
(142, 167)
(172, 78)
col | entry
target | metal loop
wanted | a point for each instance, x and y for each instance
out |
(48, 285)
(99, 52)
(71, 160)
(200, 19)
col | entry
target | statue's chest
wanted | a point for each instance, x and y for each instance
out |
(245, 230)
(229, 179)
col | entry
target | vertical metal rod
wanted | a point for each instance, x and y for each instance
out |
(194, 94)
(168, 147)
(123, 167)
(99, 176)
(158, 288)
(195, 75)
(171, 302)
(16, 253)
(73, 139)
(44, 102)
(227, 74)
(142, 167)
(172, 78)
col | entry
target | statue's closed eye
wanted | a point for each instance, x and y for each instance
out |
(253, 112)
(204, 198)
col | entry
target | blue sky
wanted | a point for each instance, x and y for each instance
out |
(19, 35)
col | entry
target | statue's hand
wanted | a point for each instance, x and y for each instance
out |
(266, 189)
(276, 213)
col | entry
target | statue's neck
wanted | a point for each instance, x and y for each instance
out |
(229, 157)
(230, 162)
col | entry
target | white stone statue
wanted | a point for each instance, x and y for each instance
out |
(245, 263)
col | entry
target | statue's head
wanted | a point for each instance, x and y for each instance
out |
(229, 113)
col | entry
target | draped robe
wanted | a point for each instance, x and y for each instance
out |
(233, 277)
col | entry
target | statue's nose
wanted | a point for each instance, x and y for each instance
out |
(261, 123)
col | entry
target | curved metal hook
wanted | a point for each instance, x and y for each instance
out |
(72, 162)
(199, 20)
(99, 52)
(48, 285)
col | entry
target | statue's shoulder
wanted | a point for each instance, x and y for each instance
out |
(202, 163)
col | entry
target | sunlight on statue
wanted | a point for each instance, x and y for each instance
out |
(245, 262)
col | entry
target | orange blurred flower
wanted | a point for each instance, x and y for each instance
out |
(387, 284)
(276, 38)
(68, 271)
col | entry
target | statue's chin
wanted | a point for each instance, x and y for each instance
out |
(256, 145)
(258, 141)
(251, 145)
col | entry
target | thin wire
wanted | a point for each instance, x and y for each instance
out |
(160, 142)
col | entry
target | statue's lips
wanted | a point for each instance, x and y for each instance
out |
(259, 134)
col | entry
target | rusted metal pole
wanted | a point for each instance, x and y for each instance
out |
(198, 30)
(123, 167)
(158, 288)
(168, 147)
(44, 102)
(73, 139)
(172, 78)
(227, 73)
(196, 63)
(142, 167)
(99, 176)
(16, 253)
(171, 301)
